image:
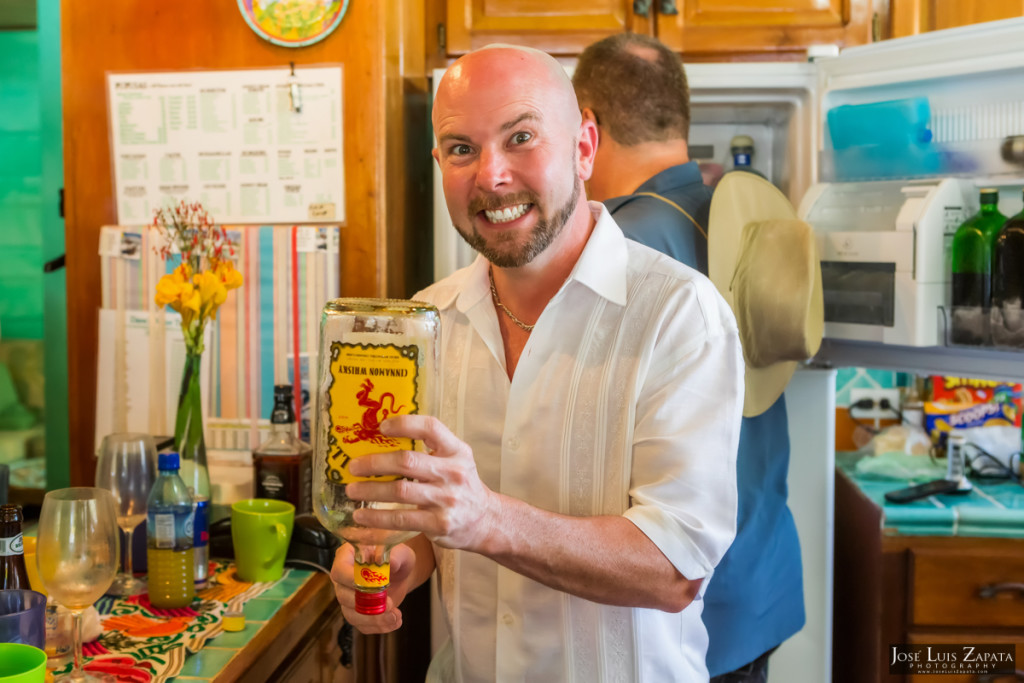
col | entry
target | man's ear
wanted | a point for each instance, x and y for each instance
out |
(589, 115)
(587, 143)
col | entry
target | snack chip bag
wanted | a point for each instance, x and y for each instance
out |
(965, 391)
(940, 418)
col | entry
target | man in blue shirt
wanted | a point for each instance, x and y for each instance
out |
(634, 88)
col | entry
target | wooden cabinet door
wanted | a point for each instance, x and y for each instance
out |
(910, 17)
(560, 27)
(763, 29)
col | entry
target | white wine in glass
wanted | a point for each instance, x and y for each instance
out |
(77, 555)
(127, 468)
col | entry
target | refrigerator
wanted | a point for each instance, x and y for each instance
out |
(972, 81)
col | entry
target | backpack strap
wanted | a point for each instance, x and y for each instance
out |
(676, 207)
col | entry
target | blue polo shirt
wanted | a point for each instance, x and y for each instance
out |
(754, 600)
(659, 225)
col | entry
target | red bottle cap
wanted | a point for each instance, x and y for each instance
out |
(371, 603)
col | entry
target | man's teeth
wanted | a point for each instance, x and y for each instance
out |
(509, 213)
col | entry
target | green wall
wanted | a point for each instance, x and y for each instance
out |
(31, 228)
(21, 234)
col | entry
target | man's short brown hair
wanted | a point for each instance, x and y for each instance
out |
(636, 87)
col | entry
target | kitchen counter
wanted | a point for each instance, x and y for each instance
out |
(942, 571)
(290, 635)
(993, 508)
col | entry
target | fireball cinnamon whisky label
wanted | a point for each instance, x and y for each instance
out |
(368, 384)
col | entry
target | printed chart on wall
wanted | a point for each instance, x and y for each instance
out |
(253, 145)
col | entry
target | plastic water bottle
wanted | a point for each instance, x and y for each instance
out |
(169, 526)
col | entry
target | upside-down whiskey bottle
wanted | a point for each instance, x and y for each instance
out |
(378, 358)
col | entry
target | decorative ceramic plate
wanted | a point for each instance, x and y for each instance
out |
(293, 23)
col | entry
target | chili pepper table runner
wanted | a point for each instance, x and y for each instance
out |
(144, 644)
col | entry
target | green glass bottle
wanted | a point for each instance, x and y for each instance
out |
(1008, 283)
(972, 271)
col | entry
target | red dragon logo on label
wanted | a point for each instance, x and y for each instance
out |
(368, 429)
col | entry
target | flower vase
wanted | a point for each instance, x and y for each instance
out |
(188, 430)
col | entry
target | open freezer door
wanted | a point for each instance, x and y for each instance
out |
(935, 104)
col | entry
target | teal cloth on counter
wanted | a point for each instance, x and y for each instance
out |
(990, 509)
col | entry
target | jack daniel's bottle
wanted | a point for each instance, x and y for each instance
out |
(282, 465)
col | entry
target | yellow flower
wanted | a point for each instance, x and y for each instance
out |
(211, 291)
(169, 288)
(174, 288)
(190, 303)
(225, 271)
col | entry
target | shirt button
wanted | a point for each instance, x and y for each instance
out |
(513, 443)
(508, 619)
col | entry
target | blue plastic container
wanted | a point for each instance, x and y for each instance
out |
(897, 122)
(883, 140)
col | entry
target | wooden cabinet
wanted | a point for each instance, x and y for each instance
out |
(700, 29)
(910, 17)
(919, 590)
(319, 660)
(772, 29)
(560, 27)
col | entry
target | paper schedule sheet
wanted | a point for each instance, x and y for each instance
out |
(232, 140)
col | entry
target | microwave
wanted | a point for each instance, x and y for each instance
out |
(885, 255)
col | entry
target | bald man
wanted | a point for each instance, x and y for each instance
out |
(580, 481)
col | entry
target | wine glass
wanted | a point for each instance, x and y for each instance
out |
(127, 468)
(77, 555)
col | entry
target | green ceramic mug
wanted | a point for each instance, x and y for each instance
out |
(20, 663)
(260, 532)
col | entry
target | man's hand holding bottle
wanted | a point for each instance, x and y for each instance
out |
(454, 509)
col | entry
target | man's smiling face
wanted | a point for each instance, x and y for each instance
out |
(508, 157)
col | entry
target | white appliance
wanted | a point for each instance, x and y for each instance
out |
(883, 247)
(973, 78)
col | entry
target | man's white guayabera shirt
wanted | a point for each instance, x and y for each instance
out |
(626, 401)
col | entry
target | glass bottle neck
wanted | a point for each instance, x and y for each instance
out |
(282, 428)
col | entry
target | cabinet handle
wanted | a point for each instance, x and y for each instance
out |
(669, 7)
(990, 591)
(641, 8)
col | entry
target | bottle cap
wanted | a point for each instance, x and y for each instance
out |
(168, 461)
(371, 603)
(233, 621)
(741, 141)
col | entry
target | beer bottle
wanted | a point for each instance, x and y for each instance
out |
(1008, 283)
(13, 573)
(972, 271)
(283, 464)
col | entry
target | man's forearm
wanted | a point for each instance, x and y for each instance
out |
(605, 559)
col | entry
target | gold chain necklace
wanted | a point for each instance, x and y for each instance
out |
(497, 302)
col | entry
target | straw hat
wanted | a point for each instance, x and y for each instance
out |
(764, 261)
